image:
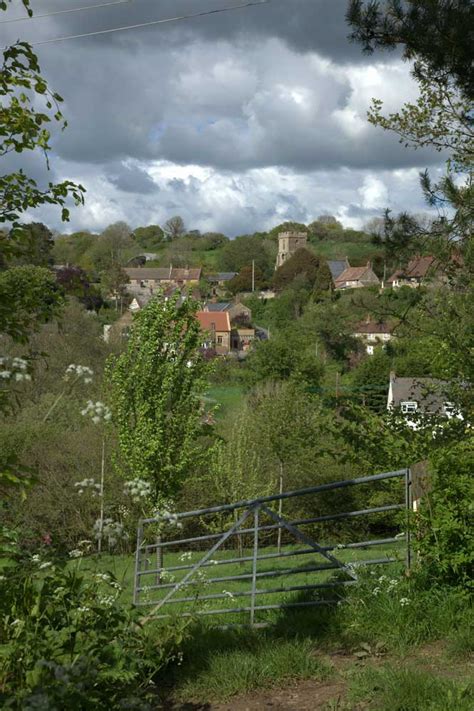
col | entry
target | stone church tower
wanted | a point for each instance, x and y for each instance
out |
(288, 243)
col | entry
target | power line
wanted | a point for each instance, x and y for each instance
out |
(62, 12)
(153, 22)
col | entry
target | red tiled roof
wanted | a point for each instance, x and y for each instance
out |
(351, 274)
(417, 268)
(213, 320)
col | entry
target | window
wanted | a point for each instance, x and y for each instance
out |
(449, 409)
(409, 406)
(219, 340)
(370, 350)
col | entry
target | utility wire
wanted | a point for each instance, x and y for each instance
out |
(62, 12)
(153, 22)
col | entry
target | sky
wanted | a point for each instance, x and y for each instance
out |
(236, 121)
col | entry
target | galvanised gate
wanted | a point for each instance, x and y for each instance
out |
(184, 575)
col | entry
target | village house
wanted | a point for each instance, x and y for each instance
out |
(372, 334)
(242, 339)
(288, 243)
(146, 280)
(419, 396)
(220, 280)
(417, 273)
(336, 267)
(216, 326)
(357, 278)
(235, 310)
(242, 333)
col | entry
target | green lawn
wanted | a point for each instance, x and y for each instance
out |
(235, 593)
(226, 397)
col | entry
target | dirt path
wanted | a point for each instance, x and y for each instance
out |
(308, 695)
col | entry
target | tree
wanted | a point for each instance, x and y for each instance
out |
(323, 283)
(28, 106)
(114, 282)
(441, 118)
(34, 245)
(283, 357)
(112, 246)
(174, 227)
(243, 280)
(437, 32)
(241, 251)
(303, 263)
(29, 297)
(75, 282)
(155, 389)
(149, 237)
(286, 227)
(24, 127)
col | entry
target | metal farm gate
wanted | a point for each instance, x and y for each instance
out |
(181, 574)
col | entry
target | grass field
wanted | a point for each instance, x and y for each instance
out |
(389, 646)
(272, 575)
(225, 397)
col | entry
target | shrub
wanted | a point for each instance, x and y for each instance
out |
(445, 535)
(66, 641)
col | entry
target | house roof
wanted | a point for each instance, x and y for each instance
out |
(213, 321)
(372, 327)
(221, 306)
(222, 276)
(429, 393)
(337, 266)
(164, 273)
(353, 274)
(417, 268)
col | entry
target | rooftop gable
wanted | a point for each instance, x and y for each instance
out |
(213, 321)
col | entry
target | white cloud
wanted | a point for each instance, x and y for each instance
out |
(373, 192)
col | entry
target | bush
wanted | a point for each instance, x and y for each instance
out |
(445, 535)
(66, 641)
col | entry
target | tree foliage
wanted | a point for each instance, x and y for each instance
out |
(439, 32)
(34, 245)
(29, 296)
(243, 280)
(302, 263)
(174, 227)
(24, 126)
(155, 388)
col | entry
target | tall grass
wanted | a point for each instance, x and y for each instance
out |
(256, 663)
(405, 689)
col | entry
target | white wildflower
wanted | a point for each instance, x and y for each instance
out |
(46, 564)
(36, 558)
(76, 553)
(404, 601)
(97, 411)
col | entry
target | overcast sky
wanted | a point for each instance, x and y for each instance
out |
(235, 121)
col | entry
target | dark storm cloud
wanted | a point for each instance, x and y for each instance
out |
(305, 25)
(266, 105)
(131, 179)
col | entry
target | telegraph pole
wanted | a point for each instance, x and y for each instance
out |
(253, 275)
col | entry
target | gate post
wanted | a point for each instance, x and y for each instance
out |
(408, 505)
(254, 563)
(137, 581)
